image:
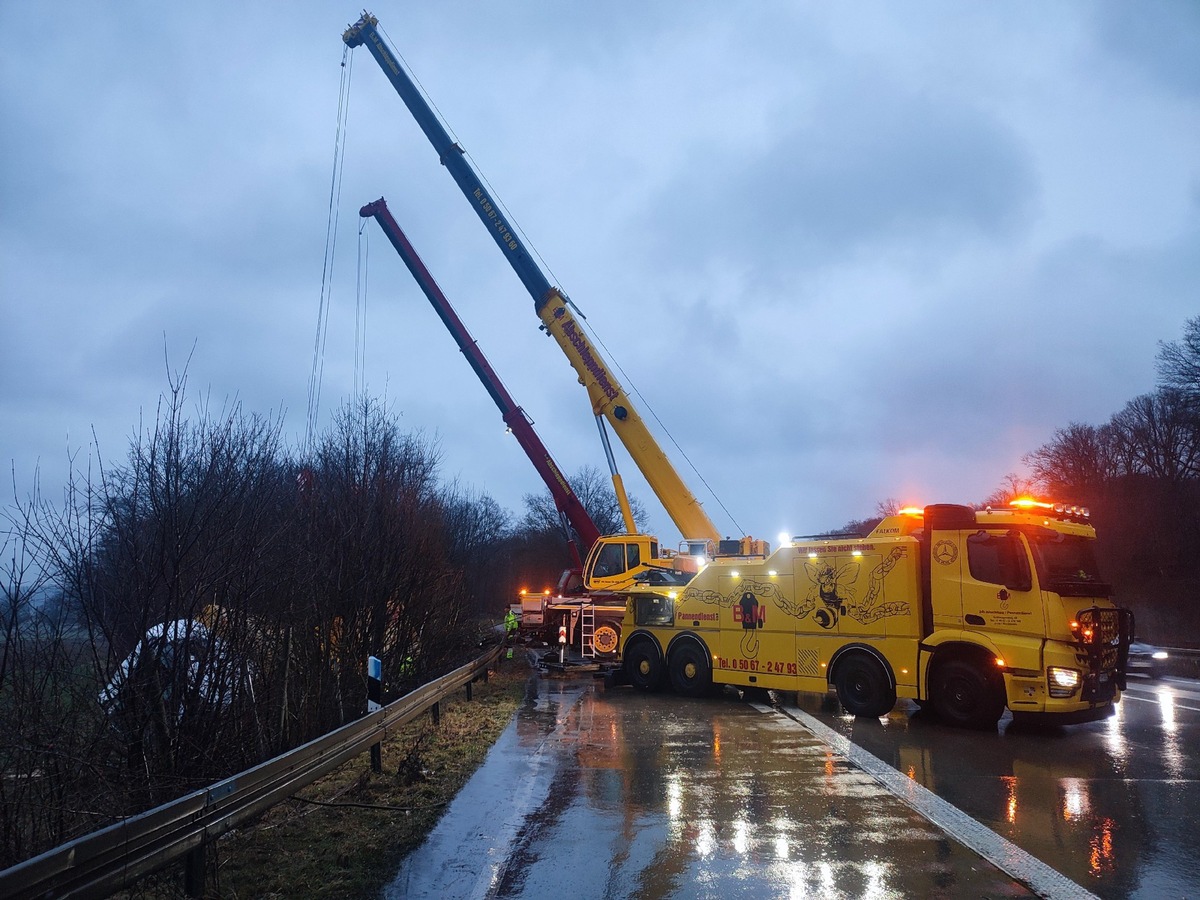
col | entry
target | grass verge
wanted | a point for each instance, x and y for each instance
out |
(345, 835)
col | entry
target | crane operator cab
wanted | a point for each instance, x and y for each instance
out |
(617, 562)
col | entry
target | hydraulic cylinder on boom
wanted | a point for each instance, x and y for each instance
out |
(609, 400)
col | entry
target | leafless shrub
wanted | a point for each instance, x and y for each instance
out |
(211, 601)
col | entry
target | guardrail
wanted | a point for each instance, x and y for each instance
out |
(1182, 662)
(115, 857)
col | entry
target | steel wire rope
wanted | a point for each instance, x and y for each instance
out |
(627, 380)
(495, 196)
(331, 223)
(360, 310)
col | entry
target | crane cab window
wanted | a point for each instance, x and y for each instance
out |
(615, 559)
(633, 556)
(999, 558)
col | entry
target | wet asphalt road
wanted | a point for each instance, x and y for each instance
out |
(1112, 805)
(620, 794)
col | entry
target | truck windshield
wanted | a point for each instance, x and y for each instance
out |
(1066, 564)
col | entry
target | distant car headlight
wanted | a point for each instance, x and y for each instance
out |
(1159, 654)
(1063, 682)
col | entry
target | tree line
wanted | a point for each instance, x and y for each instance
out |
(1139, 474)
(210, 601)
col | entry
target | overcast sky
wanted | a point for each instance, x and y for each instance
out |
(844, 252)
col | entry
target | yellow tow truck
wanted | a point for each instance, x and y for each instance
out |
(968, 610)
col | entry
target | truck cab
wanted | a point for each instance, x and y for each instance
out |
(1023, 583)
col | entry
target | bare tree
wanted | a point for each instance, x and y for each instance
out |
(188, 550)
(595, 491)
(884, 508)
(1013, 486)
(379, 556)
(1077, 463)
(45, 744)
(477, 528)
(1179, 361)
(1158, 435)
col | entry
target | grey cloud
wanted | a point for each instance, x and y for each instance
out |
(1159, 38)
(869, 170)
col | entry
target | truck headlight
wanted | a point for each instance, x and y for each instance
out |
(1063, 682)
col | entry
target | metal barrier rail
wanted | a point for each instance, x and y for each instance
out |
(1183, 662)
(114, 857)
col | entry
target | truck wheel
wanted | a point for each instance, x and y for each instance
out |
(863, 687)
(643, 666)
(606, 639)
(691, 675)
(964, 696)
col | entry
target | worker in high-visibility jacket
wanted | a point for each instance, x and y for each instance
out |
(511, 624)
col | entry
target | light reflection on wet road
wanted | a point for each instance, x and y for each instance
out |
(620, 794)
(1112, 805)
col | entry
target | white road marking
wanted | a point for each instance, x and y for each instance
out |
(1176, 689)
(1156, 701)
(1030, 871)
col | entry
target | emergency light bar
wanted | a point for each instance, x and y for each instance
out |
(1063, 510)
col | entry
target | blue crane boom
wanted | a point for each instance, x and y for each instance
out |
(608, 397)
(365, 33)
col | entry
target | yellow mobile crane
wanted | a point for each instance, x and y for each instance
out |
(970, 611)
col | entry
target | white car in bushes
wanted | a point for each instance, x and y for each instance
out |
(180, 661)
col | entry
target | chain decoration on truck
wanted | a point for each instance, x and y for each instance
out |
(830, 596)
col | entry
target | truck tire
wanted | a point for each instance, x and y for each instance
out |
(644, 666)
(964, 695)
(863, 686)
(606, 639)
(691, 675)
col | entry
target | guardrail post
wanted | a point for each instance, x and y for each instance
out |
(374, 698)
(436, 711)
(194, 866)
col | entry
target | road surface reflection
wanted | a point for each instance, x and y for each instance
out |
(621, 794)
(1110, 804)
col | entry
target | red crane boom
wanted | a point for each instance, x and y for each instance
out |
(568, 504)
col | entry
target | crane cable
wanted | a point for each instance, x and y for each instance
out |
(360, 311)
(331, 223)
(633, 389)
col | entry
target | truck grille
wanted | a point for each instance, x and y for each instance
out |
(1104, 636)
